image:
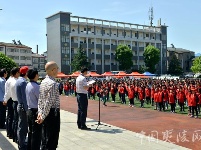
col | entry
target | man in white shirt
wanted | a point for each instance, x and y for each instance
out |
(82, 100)
(16, 74)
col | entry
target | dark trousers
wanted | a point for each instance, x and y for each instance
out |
(160, 105)
(22, 128)
(123, 99)
(194, 110)
(2, 115)
(131, 101)
(9, 118)
(15, 121)
(50, 130)
(181, 106)
(172, 107)
(113, 97)
(82, 109)
(35, 130)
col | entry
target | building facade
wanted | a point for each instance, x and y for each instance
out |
(100, 38)
(38, 62)
(21, 54)
(184, 56)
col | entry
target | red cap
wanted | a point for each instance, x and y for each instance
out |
(24, 69)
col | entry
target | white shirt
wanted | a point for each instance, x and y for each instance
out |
(13, 89)
(7, 95)
(80, 83)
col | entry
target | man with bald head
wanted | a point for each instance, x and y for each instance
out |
(49, 108)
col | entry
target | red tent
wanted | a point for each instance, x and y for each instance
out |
(107, 74)
(121, 74)
(136, 74)
(62, 75)
(94, 74)
(75, 74)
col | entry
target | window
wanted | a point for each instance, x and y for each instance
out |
(22, 51)
(35, 60)
(147, 35)
(64, 27)
(1, 49)
(28, 58)
(64, 38)
(135, 34)
(42, 60)
(42, 66)
(22, 57)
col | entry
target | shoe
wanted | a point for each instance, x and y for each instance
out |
(196, 117)
(85, 128)
(191, 116)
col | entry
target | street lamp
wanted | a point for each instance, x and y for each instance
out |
(1, 9)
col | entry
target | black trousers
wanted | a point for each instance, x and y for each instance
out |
(22, 129)
(35, 130)
(194, 110)
(9, 118)
(50, 130)
(172, 107)
(82, 109)
(2, 115)
(15, 121)
(113, 97)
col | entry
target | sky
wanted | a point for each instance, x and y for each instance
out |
(24, 20)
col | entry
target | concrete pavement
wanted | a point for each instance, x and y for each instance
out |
(105, 137)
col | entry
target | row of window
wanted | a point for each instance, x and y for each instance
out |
(18, 50)
(19, 57)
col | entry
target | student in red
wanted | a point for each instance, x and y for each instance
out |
(93, 92)
(66, 89)
(141, 93)
(152, 95)
(112, 91)
(122, 92)
(148, 94)
(199, 100)
(131, 95)
(193, 101)
(172, 101)
(160, 99)
(181, 98)
(156, 98)
(165, 98)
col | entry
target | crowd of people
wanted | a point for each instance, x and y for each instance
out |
(161, 94)
(32, 109)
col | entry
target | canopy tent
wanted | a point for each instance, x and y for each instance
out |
(120, 74)
(148, 74)
(135, 74)
(75, 74)
(93, 74)
(107, 74)
(62, 75)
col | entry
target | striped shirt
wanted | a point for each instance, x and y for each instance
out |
(80, 83)
(48, 97)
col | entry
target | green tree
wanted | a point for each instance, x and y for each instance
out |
(174, 66)
(6, 62)
(151, 58)
(196, 67)
(80, 60)
(123, 54)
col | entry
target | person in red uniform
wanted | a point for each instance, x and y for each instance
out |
(112, 92)
(156, 98)
(181, 98)
(131, 95)
(160, 99)
(172, 101)
(165, 98)
(193, 101)
(141, 93)
(148, 94)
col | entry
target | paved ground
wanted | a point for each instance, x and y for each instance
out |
(173, 128)
(122, 128)
(105, 137)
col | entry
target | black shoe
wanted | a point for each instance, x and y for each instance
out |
(85, 128)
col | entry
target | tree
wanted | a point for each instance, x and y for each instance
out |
(151, 58)
(79, 60)
(6, 62)
(123, 54)
(196, 67)
(174, 66)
